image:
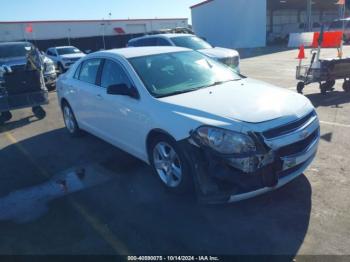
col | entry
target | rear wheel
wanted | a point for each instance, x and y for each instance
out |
(346, 86)
(330, 85)
(300, 87)
(39, 112)
(4, 117)
(170, 164)
(51, 87)
(70, 121)
(327, 86)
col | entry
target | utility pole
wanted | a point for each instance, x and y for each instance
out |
(69, 30)
(103, 33)
(309, 15)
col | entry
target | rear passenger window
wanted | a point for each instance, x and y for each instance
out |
(89, 70)
(77, 72)
(163, 42)
(146, 42)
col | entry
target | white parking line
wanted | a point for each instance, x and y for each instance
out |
(334, 124)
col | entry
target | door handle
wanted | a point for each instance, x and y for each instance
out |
(99, 97)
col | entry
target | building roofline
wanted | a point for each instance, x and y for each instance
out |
(82, 21)
(201, 3)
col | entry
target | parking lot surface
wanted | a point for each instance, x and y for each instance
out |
(120, 207)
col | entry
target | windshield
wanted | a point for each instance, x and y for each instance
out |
(174, 73)
(191, 42)
(68, 50)
(15, 50)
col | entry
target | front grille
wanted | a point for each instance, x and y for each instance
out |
(74, 59)
(299, 146)
(288, 128)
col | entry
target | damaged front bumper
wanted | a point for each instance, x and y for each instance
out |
(217, 180)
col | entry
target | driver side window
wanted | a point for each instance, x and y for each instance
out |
(113, 74)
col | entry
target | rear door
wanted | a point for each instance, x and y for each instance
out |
(87, 93)
(163, 42)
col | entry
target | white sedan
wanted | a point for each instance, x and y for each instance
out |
(194, 120)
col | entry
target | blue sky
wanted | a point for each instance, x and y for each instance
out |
(20, 10)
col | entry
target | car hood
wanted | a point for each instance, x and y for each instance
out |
(69, 56)
(13, 61)
(246, 100)
(219, 52)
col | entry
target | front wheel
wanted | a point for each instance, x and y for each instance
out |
(170, 164)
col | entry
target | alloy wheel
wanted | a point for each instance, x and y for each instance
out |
(167, 164)
(69, 119)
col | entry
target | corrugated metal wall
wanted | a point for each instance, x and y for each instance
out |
(231, 24)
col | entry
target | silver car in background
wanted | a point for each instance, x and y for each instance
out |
(227, 56)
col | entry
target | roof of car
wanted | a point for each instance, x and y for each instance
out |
(162, 35)
(131, 52)
(174, 35)
(60, 47)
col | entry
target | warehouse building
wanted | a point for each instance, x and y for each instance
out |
(253, 23)
(85, 34)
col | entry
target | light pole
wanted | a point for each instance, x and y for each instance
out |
(103, 34)
(69, 30)
(309, 15)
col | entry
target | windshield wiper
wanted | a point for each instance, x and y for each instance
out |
(220, 82)
(179, 92)
(194, 89)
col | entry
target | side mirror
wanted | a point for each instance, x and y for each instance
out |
(122, 90)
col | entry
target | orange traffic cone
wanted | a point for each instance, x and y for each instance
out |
(301, 54)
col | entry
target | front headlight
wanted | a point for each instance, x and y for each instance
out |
(49, 67)
(225, 141)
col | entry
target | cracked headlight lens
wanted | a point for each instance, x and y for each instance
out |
(225, 141)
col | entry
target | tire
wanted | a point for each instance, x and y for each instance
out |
(60, 69)
(170, 164)
(39, 112)
(300, 87)
(330, 85)
(323, 88)
(70, 120)
(346, 86)
(51, 87)
(4, 117)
